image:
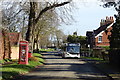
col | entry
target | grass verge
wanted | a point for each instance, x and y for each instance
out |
(14, 69)
(93, 58)
(46, 50)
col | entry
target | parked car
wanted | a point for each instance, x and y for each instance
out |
(60, 52)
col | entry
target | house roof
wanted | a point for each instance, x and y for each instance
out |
(104, 25)
(102, 28)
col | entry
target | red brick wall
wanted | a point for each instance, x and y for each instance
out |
(14, 38)
(105, 40)
(1, 46)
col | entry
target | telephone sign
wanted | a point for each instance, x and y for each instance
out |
(23, 52)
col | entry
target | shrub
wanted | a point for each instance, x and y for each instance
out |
(34, 59)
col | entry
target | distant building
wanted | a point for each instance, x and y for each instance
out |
(99, 37)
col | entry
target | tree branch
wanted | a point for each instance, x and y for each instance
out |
(50, 7)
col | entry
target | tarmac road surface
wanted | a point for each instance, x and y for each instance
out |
(57, 68)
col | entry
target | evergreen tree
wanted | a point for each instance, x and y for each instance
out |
(114, 55)
(115, 34)
(76, 39)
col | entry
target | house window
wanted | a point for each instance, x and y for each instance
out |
(100, 39)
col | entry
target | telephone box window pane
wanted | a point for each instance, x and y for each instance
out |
(23, 47)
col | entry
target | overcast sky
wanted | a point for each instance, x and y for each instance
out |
(87, 16)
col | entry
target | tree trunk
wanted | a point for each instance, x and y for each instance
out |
(31, 26)
(7, 47)
(31, 22)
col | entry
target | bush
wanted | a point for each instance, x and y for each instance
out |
(34, 59)
(37, 55)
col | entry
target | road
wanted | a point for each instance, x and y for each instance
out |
(66, 69)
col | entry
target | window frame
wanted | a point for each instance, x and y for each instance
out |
(99, 39)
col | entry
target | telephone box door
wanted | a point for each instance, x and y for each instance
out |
(23, 52)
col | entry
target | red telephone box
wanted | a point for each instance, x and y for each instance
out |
(23, 52)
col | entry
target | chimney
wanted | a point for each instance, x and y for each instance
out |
(102, 22)
(108, 20)
(111, 19)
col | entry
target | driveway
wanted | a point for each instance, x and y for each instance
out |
(66, 69)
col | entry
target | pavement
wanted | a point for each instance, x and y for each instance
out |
(57, 68)
(109, 70)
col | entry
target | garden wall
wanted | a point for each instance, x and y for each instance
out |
(1, 45)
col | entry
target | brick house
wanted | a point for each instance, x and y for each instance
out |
(99, 37)
(14, 38)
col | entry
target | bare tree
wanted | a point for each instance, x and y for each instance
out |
(45, 26)
(13, 15)
(17, 15)
(33, 20)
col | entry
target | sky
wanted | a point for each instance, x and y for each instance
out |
(87, 16)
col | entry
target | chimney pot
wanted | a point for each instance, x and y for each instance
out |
(107, 17)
